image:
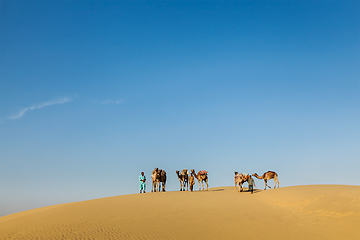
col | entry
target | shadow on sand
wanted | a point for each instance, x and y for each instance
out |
(246, 190)
(256, 190)
(217, 190)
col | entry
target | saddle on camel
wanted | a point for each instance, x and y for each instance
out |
(244, 176)
(202, 172)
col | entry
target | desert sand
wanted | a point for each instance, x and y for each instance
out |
(298, 212)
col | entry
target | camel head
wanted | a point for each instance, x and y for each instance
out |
(236, 173)
(255, 175)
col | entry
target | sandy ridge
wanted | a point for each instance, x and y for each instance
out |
(299, 212)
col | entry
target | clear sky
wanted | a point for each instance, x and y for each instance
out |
(94, 92)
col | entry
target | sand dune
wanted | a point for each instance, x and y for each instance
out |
(300, 212)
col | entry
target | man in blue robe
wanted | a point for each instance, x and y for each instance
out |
(142, 183)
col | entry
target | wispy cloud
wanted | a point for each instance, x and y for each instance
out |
(41, 105)
(112, 101)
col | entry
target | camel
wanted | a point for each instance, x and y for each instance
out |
(240, 179)
(183, 179)
(158, 177)
(267, 176)
(162, 180)
(201, 177)
(191, 182)
(155, 180)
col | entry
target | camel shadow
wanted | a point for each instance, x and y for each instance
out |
(217, 190)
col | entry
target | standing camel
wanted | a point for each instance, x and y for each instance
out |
(201, 177)
(240, 179)
(155, 180)
(267, 176)
(183, 179)
(162, 179)
(158, 177)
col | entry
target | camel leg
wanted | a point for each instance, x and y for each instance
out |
(276, 181)
(266, 184)
(207, 185)
(199, 185)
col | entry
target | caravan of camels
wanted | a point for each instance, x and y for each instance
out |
(187, 179)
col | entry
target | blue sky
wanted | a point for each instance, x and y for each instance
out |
(93, 93)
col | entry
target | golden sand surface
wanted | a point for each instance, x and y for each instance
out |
(299, 212)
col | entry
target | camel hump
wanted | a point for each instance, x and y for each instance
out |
(202, 172)
(272, 172)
